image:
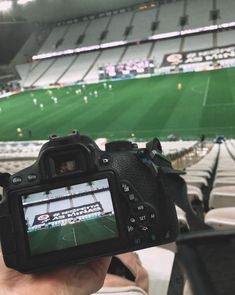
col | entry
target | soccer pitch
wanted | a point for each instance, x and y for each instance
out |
(72, 235)
(142, 108)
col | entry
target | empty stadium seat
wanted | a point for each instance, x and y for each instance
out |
(221, 218)
(223, 196)
(224, 181)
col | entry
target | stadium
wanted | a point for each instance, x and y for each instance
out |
(126, 70)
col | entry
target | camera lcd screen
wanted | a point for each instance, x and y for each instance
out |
(71, 216)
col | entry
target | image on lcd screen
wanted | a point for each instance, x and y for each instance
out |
(69, 216)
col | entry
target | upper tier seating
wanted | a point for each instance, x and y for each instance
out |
(117, 27)
(198, 12)
(226, 8)
(141, 25)
(167, 23)
(50, 44)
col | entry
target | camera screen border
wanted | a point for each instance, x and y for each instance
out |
(26, 261)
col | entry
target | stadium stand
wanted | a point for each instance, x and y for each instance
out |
(136, 52)
(141, 24)
(38, 71)
(167, 23)
(107, 57)
(79, 68)
(225, 38)
(164, 47)
(198, 13)
(73, 33)
(202, 41)
(51, 42)
(55, 71)
(226, 8)
(117, 27)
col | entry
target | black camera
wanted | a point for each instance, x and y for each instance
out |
(77, 203)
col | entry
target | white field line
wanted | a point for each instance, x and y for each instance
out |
(74, 236)
(206, 91)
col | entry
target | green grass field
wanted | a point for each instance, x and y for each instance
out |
(146, 107)
(72, 235)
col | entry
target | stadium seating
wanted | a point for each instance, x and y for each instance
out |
(72, 35)
(221, 218)
(117, 27)
(136, 52)
(94, 30)
(198, 13)
(141, 24)
(164, 47)
(38, 71)
(57, 69)
(167, 23)
(80, 67)
(198, 42)
(226, 9)
(110, 56)
(56, 34)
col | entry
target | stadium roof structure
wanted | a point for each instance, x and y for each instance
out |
(58, 10)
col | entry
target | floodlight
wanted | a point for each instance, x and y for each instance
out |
(23, 2)
(5, 5)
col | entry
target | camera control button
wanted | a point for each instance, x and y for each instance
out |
(104, 160)
(132, 198)
(32, 177)
(142, 218)
(152, 216)
(140, 208)
(137, 241)
(143, 228)
(130, 228)
(132, 220)
(125, 187)
(17, 180)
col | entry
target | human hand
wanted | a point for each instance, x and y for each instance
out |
(70, 280)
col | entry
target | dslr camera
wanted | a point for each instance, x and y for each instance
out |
(77, 203)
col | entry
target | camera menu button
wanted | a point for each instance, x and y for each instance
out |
(17, 180)
(32, 177)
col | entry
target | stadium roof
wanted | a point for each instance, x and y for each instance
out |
(57, 10)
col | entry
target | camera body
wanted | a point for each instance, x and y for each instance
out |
(77, 203)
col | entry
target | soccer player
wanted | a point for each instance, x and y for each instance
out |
(85, 99)
(41, 106)
(96, 93)
(55, 100)
(110, 87)
(35, 101)
(179, 86)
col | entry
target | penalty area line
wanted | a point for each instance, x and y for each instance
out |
(206, 91)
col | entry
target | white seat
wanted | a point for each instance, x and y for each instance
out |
(194, 193)
(197, 181)
(181, 217)
(224, 181)
(225, 174)
(204, 174)
(221, 218)
(223, 196)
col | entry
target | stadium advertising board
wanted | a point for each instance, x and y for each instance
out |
(199, 56)
(68, 214)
